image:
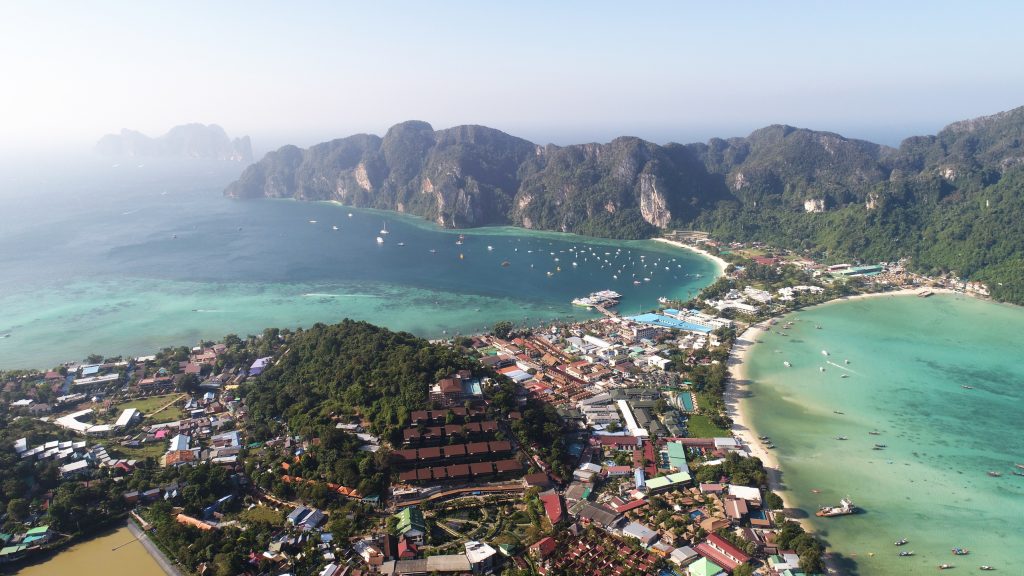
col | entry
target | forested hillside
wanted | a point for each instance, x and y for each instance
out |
(951, 202)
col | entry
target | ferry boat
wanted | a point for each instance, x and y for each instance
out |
(845, 507)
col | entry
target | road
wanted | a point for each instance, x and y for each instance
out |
(155, 552)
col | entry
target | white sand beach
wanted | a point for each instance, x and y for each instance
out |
(722, 264)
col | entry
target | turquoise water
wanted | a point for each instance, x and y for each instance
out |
(129, 259)
(908, 358)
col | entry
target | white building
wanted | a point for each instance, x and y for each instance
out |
(480, 556)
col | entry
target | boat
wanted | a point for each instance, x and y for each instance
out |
(505, 263)
(462, 256)
(824, 352)
(906, 553)
(960, 551)
(994, 474)
(550, 273)
(842, 438)
(1021, 466)
(489, 248)
(845, 376)
(847, 361)
(985, 567)
(1015, 472)
(945, 566)
(384, 230)
(901, 542)
(881, 446)
(764, 438)
(966, 387)
(845, 507)
(312, 221)
(401, 243)
(822, 368)
(875, 433)
(349, 214)
(433, 251)
(838, 412)
(817, 327)
(637, 282)
(332, 228)
(380, 240)
(787, 364)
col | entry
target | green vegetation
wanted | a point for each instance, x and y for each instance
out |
(149, 406)
(701, 426)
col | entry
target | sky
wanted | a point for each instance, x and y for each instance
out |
(561, 72)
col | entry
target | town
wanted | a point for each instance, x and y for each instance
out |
(598, 447)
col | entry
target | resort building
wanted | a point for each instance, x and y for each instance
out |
(411, 525)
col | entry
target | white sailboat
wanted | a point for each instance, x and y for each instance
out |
(384, 230)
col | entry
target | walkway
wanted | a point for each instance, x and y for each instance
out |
(165, 564)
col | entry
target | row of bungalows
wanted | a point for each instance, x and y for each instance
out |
(454, 453)
(476, 471)
(428, 435)
(458, 414)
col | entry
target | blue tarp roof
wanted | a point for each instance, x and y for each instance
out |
(666, 322)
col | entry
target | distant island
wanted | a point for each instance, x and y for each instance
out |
(201, 141)
(949, 203)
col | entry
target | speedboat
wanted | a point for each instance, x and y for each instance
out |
(945, 566)
(787, 364)
(901, 541)
(985, 567)
(845, 438)
(906, 553)
(961, 551)
(845, 376)
(824, 352)
(994, 474)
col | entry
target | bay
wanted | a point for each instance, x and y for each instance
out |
(909, 360)
(128, 259)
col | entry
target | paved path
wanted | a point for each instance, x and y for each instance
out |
(155, 552)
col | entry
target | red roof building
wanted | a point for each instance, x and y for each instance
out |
(544, 547)
(722, 552)
(552, 506)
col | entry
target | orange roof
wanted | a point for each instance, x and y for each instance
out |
(190, 521)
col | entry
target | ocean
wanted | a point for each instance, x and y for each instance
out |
(910, 360)
(130, 257)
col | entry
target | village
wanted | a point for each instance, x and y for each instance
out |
(641, 476)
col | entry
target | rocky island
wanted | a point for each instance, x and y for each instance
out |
(202, 141)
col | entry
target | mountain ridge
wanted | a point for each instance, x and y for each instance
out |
(833, 196)
(205, 141)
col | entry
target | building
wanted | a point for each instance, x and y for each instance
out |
(645, 535)
(704, 567)
(683, 556)
(480, 556)
(259, 365)
(411, 525)
(668, 482)
(552, 506)
(722, 552)
(543, 548)
(128, 417)
(442, 564)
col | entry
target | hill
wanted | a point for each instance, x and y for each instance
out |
(187, 141)
(951, 202)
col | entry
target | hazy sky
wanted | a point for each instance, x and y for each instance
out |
(548, 71)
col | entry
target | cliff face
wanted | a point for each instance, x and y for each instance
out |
(187, 141)
(471, 175)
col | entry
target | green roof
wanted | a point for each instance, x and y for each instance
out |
(410, 518)
(38, 530)
(677, 455)
(669, 480)
(704, 567)
(10, 550)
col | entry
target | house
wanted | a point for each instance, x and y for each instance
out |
(406, 550)
(599, 515)
(369, 551)
(752, 495)
(298, 515)
(683, 556)
(411, 525)
(480, 556)
(441, 564)
(543, 548)
(259, 366)
(76, 468)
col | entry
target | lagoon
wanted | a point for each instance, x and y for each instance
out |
(130, 259)
(909, 360)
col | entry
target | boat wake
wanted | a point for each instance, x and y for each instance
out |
(840, 366)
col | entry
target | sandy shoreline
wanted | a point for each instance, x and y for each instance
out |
(718, 261)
